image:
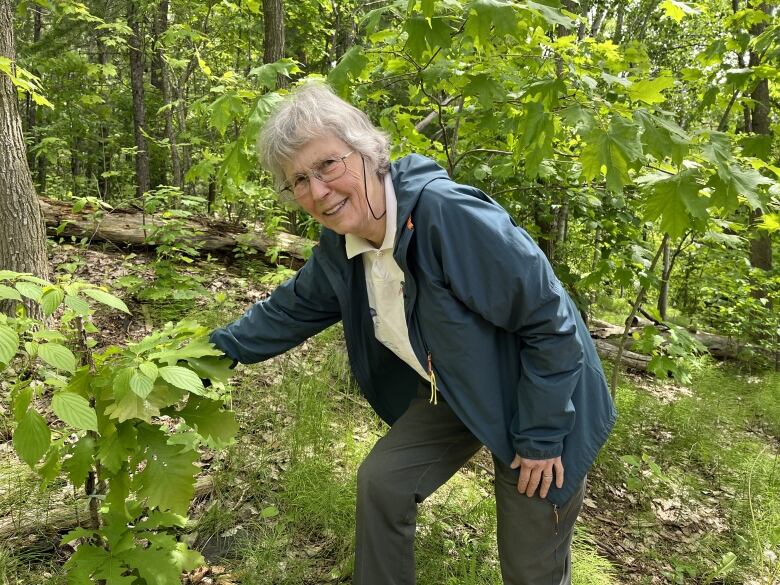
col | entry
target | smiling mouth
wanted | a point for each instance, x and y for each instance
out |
(335, 209)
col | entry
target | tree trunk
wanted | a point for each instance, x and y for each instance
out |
(273, 40)
(165, 86)
(760, 241)
(22, 231)
(663, 293)
(135, 45)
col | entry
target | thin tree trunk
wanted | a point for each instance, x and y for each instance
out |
(663, 293)
(273, 40)
(135, 45)
(22, 231)
(165, 78)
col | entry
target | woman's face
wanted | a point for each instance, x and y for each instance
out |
(339, 205)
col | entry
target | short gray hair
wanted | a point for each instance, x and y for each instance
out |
(311, 111)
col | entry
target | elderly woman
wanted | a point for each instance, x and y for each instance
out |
(458, 333)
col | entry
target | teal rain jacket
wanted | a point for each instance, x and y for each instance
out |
(510, 353)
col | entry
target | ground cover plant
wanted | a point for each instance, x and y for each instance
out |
(686, 490)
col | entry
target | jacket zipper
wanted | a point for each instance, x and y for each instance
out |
(555, 512)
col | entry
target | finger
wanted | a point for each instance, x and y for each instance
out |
(547, 478)
(558, 473)
(522, 481)
(515, 462)
(533, 482)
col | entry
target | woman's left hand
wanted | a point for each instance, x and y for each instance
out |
(538, 473)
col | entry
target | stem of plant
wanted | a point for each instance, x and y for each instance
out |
(639, 297)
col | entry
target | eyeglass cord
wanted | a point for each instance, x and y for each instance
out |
(365, 191)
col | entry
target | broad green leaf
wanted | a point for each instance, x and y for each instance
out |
(9, 344)
(58, 356)
(486, 89)
(225, 109)
(675, 200)
(182, 378)
(29, 290)
(149, 369)
(351, 65)
(80, 462)
(8, 293)
(75, 534)
(428, 8)
(32, 438)
(770, 222)
(426, 34)
(217, 426)
(267, 75)
(20, 401)
(74, 410)
(486, 14)
(50, 468)
(51, 300)
(157, 519)
(186, 559)
(102, 296)
(551, 15)
(732, 182)
(155, 566)
(141, 384)
(128, 405)
(116, 443)
(537, 136)
(614, 150)
(677, 10)
(216, 369)
(79, 305)
(662, 138)
(649, 90)
(196, 349)
(168, 479)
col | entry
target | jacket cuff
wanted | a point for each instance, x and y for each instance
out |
(530, 449)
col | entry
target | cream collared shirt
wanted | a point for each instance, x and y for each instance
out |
(385, 286)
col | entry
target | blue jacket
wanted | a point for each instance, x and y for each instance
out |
(510, 352)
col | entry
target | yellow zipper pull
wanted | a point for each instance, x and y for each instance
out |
(434, 399)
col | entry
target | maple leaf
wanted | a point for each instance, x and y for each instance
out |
(614, 149)
(675, 200)
(214, 424)
(167, 481)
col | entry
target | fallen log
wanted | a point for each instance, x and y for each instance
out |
(64, 518)
(631, 360)
(131, 227)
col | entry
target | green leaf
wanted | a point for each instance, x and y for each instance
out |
(8, 293)
(75, 534)
(537, 136)
(182, 378)
(649, 90)
(486, 89)
(9, 344)
(79, 305)
(426, 33)
(51, 300)
(225, 110)
(58, 356)
(32, 438)
(74, 410)
(732, 181)
(168, 478)
(50, 468)
(155, 566)
(81, 460)
(675, 200)
(662, 138)
(185, 559)
(20, 401)
(551, 15)
(194, 349)
(677, 10)
(614, 150)
(486, 14)
(117, 442)
(29, 290)
(217, 426)
(149, 369)
(157, 519)
(216, 369)
(141, 384)
(351, 65)
(128, 405)
(102, 296)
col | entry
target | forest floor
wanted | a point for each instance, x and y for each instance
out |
(687, 490)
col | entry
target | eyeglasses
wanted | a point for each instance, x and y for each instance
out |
(326, 171)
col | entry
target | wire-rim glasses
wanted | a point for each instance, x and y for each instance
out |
(327, 170)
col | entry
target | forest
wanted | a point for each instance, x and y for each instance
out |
(635, 140)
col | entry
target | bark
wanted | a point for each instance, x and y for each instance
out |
(273, 39)
(130, 228)
(22, 232)
(135, 45)
(760, 241)
(165, 83)
(663, 293)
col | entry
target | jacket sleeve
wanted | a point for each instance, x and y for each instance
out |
(301, 307)
(498, 271)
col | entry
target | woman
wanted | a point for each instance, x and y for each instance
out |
(458, 333)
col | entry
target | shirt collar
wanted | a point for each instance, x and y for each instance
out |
(356, 245)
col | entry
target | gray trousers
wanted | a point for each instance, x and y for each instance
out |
(421, 451)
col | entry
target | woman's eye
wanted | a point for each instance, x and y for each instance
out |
(328, 165)
(299, 180)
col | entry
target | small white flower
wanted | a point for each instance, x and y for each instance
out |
(770, 556)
